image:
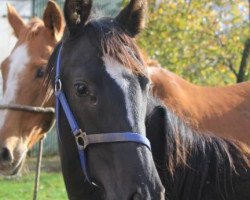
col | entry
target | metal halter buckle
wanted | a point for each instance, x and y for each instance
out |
(81, 138)
(58, 85)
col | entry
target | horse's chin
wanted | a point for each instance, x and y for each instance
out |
(13, 169)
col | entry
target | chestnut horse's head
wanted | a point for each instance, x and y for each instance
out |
(22, 73)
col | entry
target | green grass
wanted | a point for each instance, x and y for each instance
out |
(51, 187)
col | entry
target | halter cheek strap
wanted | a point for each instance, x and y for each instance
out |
(82, 139)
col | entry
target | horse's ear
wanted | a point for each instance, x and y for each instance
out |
(15, 20)
(76, 13)
(53, 19)
(132, 17)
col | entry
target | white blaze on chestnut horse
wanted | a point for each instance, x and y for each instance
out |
(224, 111)
(26, 118)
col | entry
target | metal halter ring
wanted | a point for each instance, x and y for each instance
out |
(81, 139)
(58, 85)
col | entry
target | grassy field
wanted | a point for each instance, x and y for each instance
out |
(51, 182)
(51, 187)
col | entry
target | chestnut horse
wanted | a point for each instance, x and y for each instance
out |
(23, 120)
(225, 111)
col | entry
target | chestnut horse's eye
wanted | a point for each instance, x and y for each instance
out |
(40, 73)
(81, 89)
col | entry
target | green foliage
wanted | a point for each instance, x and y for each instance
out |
(202, 41)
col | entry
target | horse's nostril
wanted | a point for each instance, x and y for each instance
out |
(136, 196)
(5, 155)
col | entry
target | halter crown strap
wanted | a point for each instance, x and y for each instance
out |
(82, 139)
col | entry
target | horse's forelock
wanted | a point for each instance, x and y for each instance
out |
(116, 43)
(33, 28)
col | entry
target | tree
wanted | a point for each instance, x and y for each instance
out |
(201, 40)
(243, 74)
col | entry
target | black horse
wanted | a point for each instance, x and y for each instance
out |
(106, 84)
(105, 97)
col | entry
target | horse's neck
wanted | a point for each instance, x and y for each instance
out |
(169, 149)
(189, 161)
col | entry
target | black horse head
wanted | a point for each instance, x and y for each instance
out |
(106, 85)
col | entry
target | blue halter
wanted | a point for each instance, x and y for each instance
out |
(82, 139)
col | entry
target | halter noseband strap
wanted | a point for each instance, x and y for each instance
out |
(82, 139)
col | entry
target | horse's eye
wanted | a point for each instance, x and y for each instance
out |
(40, 73)
(81, 89)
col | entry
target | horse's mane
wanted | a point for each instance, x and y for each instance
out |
(192, 156)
